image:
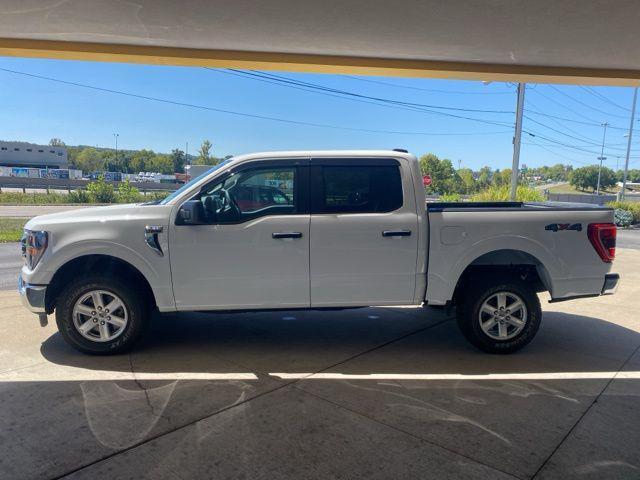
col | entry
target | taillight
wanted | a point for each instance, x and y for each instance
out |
(603, 238)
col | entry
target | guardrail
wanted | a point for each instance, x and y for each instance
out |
(75, 184)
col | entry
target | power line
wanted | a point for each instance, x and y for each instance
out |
(566, 145)
(583, 139)
(323, 89)
(608, 114)
(569, 109)
(368, 80)
(417, 109)
(544, 147)
(601, 97)
(315, 86)
(242, 114)
(565, 119)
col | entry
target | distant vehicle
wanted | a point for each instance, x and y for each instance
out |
(251, 198)
(343, 229)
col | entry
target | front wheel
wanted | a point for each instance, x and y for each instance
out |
(499, 316)
(101, 315)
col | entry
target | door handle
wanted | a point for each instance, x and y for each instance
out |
(396, 233)
(279, 235)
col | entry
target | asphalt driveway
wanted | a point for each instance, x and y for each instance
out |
(367, 393)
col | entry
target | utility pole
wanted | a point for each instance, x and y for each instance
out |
(516, 141)
(601, 157)
(626, 163)
(186, 162)
(116, 135)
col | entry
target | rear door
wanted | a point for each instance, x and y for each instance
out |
(363, 232)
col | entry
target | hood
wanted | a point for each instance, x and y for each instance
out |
(128, 212)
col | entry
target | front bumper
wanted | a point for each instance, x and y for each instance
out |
(32, 296)
(610, 284)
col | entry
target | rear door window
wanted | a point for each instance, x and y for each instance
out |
(357, 189)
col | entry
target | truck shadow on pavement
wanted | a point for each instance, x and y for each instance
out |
(358, 341)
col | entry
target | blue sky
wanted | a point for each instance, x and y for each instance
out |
(36, 110)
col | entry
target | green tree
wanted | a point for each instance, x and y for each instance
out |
(161, 163)
(100, 191)
(178, 159)
(501, 177)
(444, 179)
(141, 160)
(484, 177)
(204, 153)
(127, 193)
(90, 160)
(469, 182)
(586, 178)
(56, 142)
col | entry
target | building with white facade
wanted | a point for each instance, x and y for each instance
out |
(23, 154)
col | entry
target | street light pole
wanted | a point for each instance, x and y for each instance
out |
(516, 141)
(626, 163)
(601, 157)
(116, 135)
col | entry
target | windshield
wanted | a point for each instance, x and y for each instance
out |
(190, 183)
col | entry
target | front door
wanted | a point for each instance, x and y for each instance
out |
(254, 250)
(363, 232)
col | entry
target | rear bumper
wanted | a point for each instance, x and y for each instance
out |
(609, 287)
(610, 284)
(32, 296)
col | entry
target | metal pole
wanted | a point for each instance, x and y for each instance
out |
(626, 163)
(516, 141)
(116, 135)
(601, 157)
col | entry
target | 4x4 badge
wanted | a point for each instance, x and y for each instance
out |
(554, 227)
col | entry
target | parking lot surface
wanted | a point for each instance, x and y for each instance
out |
(365, 393)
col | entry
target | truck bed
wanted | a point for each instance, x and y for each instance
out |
(551, 236)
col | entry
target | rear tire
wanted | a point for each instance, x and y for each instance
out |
(88, 325)
(501, 315)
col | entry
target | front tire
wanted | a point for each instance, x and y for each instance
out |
(101, 315)
(499, 315)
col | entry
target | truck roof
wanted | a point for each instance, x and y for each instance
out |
(324, 153)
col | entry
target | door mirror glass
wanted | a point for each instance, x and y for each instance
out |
(191, 213)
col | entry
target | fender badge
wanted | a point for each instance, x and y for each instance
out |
(554, 227)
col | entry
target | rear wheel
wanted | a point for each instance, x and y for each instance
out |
(101, 315)
(499, 316)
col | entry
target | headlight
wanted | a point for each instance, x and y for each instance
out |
(34, 245)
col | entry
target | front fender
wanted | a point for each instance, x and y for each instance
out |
(151, 265)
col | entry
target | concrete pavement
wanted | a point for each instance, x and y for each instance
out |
(367, 393)
(28, 211)
(629, 238)
(10, 264)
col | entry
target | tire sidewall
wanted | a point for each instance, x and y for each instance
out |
(75, 290)
(479, 338)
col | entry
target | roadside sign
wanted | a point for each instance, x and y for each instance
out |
(426, 180)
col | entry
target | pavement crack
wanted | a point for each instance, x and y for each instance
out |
(400, 430)
(143, 388)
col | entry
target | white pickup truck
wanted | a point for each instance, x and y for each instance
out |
(312, 230)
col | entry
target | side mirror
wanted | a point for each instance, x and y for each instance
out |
(191, 213)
